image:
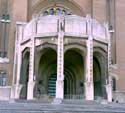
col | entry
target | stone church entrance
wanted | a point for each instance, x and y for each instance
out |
(64, 59)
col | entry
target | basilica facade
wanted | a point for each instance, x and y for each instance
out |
(62, 49)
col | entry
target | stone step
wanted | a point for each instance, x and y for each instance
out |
(65, 107)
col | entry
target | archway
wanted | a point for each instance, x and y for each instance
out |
(24, 74)
(97, 78)
(73, 74)
(46, 78)
(99, 75)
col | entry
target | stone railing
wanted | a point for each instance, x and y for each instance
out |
(47, 25)
(73, 26)
(29, 29)
(99, 31)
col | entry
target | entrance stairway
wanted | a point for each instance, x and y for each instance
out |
(67, 106)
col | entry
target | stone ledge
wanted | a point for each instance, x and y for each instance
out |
(4, 60)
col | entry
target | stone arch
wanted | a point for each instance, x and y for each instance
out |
(24, 73)
(40, 50)
(81, 49)
(100, 46)
(100, 50)
(76, 68)
(100, 72)
(25, 51)
(44, 46)
(46, 64)
(73, 6)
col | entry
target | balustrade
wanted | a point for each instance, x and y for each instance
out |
(74, 26)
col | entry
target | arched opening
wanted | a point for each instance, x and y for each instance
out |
(73, 71)
(99, 75)
(113, 84)
(46, 74)
(24, 74)
(97, 78)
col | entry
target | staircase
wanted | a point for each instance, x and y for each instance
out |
(67, 106)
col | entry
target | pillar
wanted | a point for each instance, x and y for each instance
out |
(60, 62)
(109, 84)
(18, 54)
(31, 82)
(89, 89)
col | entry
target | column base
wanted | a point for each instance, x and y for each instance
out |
(109, 92)
(30, 90)
(12, 94)
(59, 89)
(89, 91)
(17, 91)
(57, 101)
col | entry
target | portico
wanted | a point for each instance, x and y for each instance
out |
(66, 58)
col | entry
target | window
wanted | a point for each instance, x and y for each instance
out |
(51, 12)
(56, 11)
(2, 78)
(45, 13)
(4, 27)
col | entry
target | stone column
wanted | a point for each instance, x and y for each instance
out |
(60, 62)
(18, 54)
(89, 89)
(31, 82)
(109, 84)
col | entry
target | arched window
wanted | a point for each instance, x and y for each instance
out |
(56, 11)
(2, 78)
(51, 11)
(45, 13)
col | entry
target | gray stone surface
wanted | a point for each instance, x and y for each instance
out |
(67, 106)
